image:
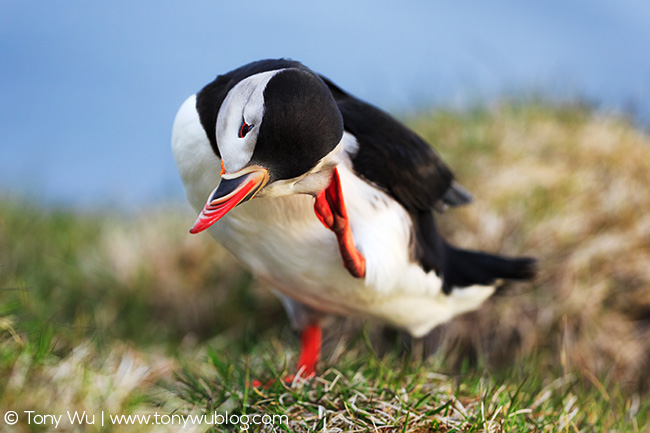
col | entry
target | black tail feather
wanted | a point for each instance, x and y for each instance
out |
(456, 195)
(466, 268)
(462, 268)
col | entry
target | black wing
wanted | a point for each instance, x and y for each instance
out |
(396, 159)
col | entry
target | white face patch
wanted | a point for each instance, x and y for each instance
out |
(244, 103)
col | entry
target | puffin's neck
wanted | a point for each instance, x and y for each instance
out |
(318, 178)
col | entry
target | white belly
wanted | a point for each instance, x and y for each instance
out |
(281, 241)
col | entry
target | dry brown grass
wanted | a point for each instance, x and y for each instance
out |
(572, 189)
(84, 382)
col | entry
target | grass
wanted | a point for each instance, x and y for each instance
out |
(361, 392)
(131, 315)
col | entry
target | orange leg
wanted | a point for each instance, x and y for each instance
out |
(330, 210)
(310, 344)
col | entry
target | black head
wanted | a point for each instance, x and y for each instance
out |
(301, 124)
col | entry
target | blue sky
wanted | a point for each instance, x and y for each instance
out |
(89, 90)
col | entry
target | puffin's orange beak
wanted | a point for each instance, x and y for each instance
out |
(234, 188)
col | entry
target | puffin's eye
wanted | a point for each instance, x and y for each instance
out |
(245, 127)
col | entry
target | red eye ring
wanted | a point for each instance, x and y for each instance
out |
(245, 127)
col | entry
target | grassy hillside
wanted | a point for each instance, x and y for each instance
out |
(132, 315)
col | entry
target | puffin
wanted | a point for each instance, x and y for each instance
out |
(329, 201)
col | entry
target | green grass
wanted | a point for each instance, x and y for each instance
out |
(361, 392)
(131, 315)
